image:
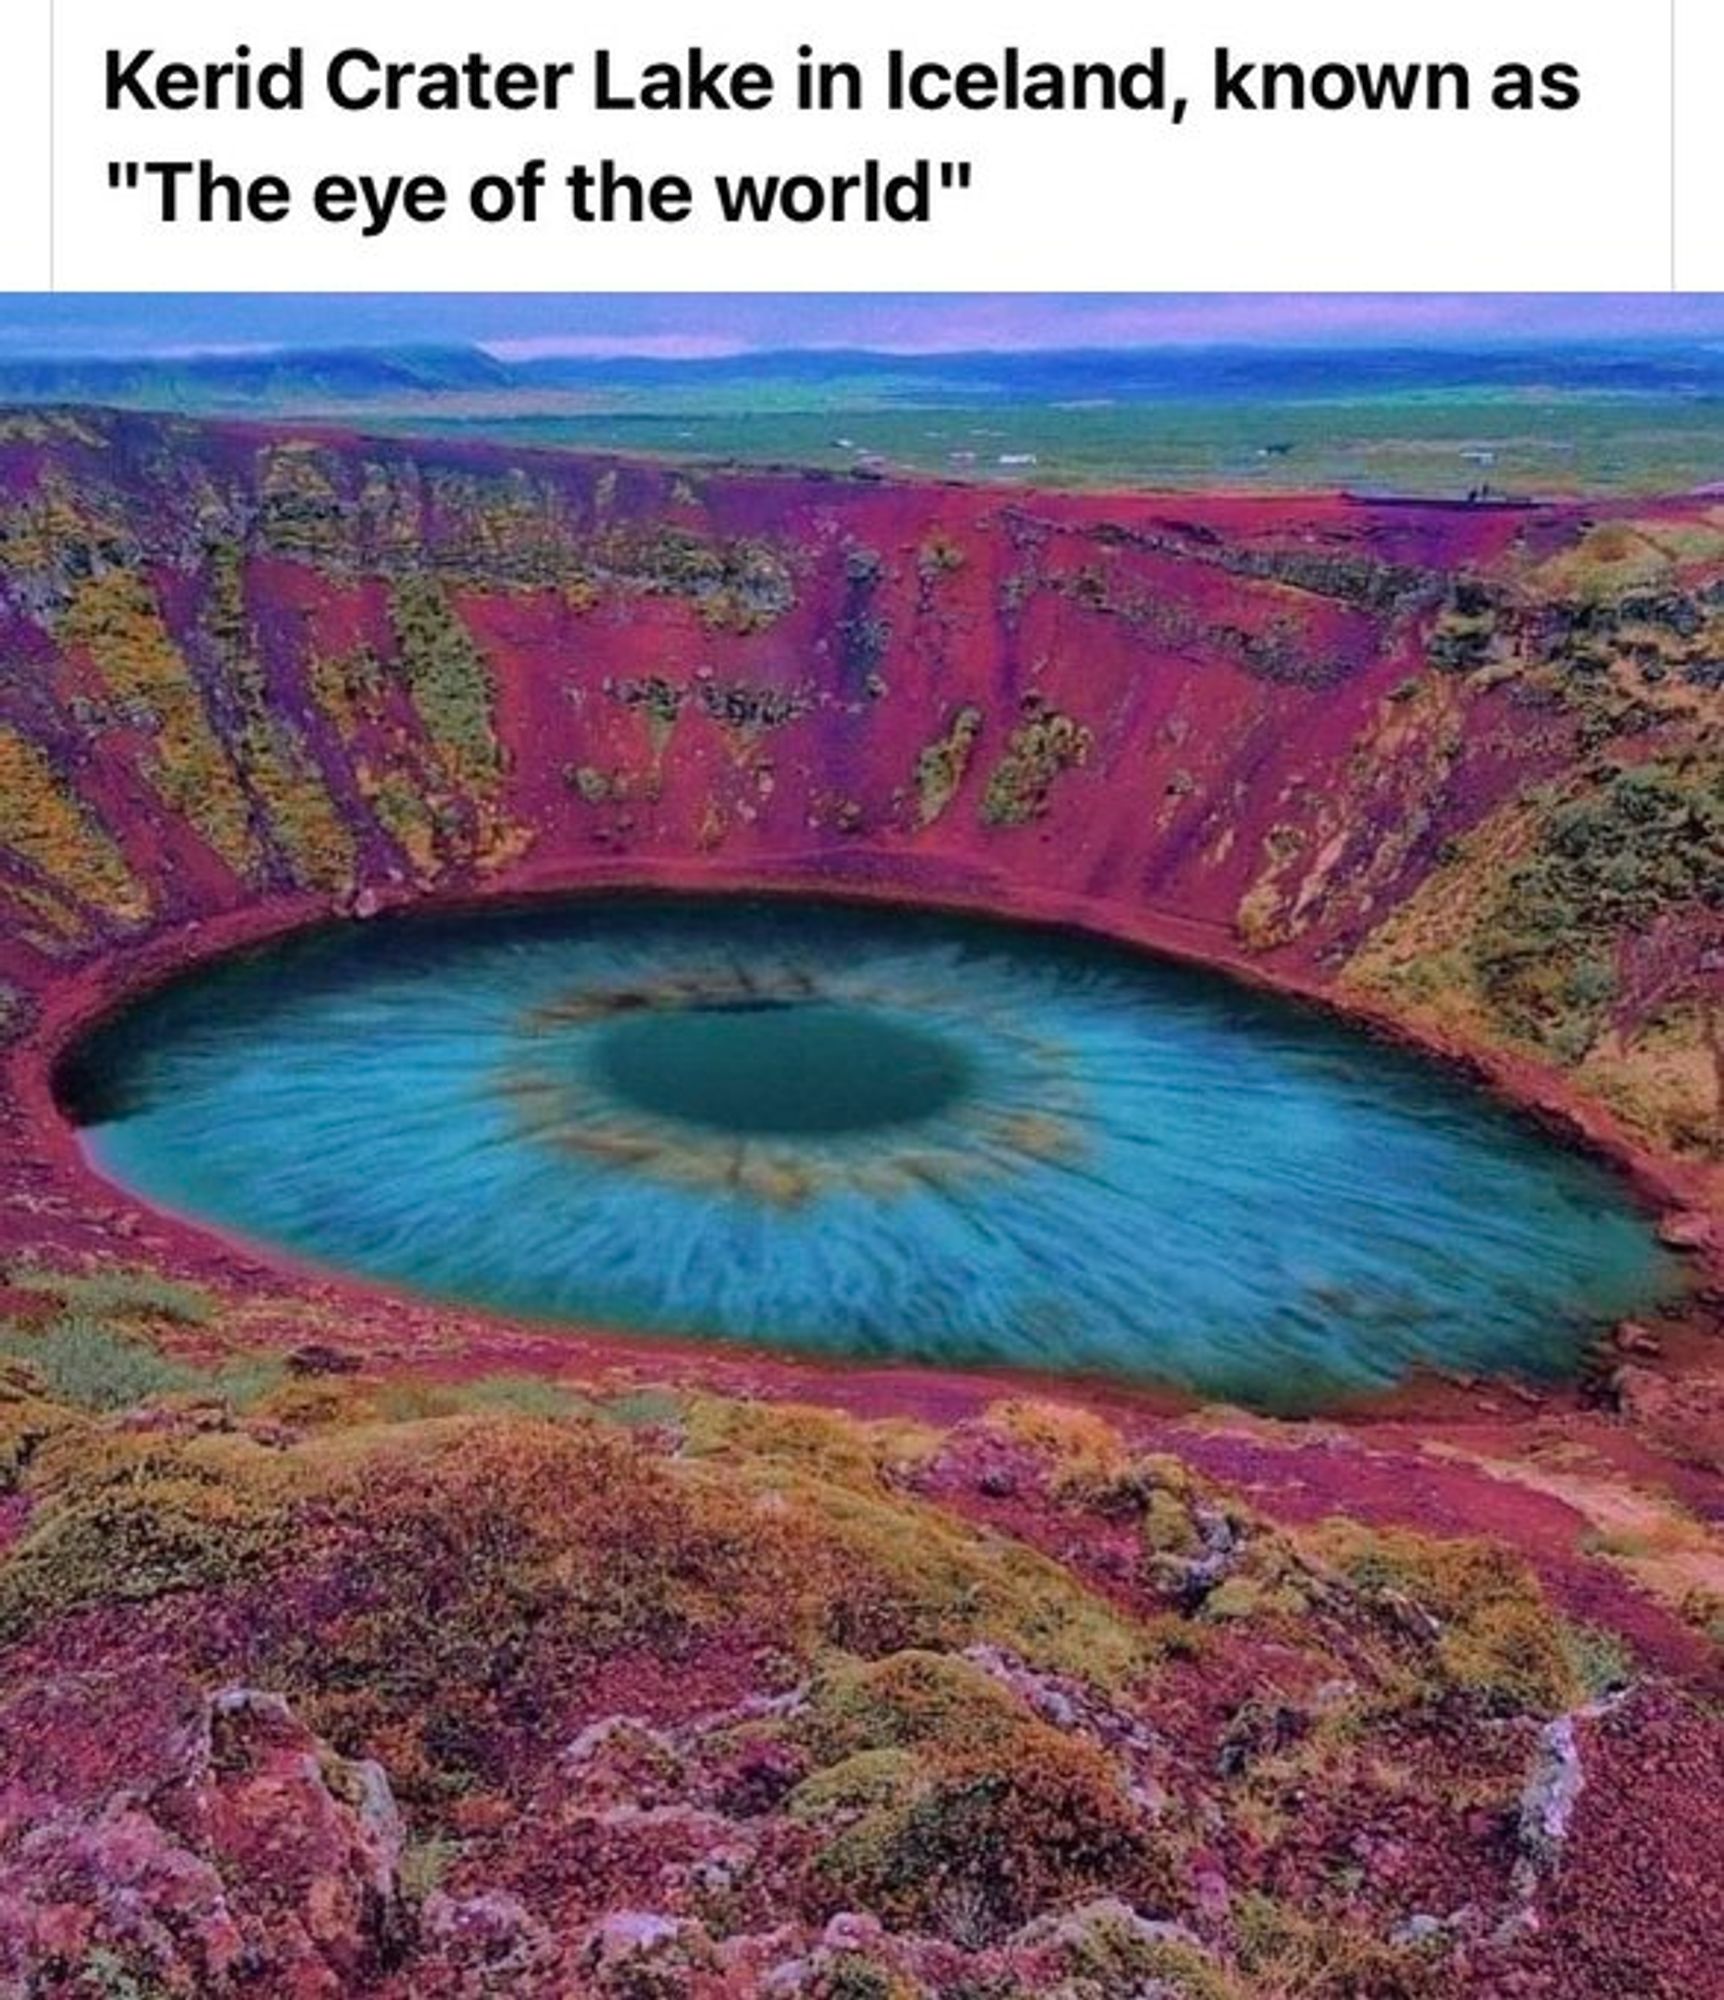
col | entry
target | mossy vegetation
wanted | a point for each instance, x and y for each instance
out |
(448, 679)
(979, 1841)
(1463, 636)
(945, 1799)
(741, 585)
(1285, 1952)
(83, 1361)
(115, 619)
(293, 802)
(805, 1437)
(950, 1731)
(1640, 842)
(110, 1291)
(131, 1518)
(95, 1345)
(511, 1505)
(1475, 1620)
(1521, 931)
(302, 510)
(1108, 1953)
(1045, 744)
(942, 765)
(44, 824)
(938, 556)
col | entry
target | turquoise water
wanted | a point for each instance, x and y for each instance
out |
(866, 1133)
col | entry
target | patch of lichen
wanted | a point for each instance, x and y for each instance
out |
(574, 1542)
(349, 688)
(1650, 660)
(401, 785)
(855, 1975)
(512, 527)
(414, 822)
(1470, 630)
(1046, 744)
(91, 1364)
(45, 427)
(1515, 936)
(45, 919)
(583, 1543)
(939, 555)
(1088, 1463)
(941, 766)
(942, 1799)
(58, 532)
(860, 1782)
(130, 1294)
(1108, 1951)
(44, 823)
(658, 699)
(396, 776)
(115, 619)
(1262, 919)
(738, 586)
(1087, 1466)
(300, 813)
(174, 1498)
(747, 709)
(448, 680)
(1617, 634)
(1616, 557)
(1443, 1618)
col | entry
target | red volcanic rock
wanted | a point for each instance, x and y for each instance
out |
(1548, 1802)
(1683, 1415)
(212, 1838)
(314, 1838)
(1642, 1394)
(1688, 1229)
(484, 1942)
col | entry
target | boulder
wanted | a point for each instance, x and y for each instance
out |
(1631, 1336)
(204, 1844)
(1548, 1799)
(1688, 1229)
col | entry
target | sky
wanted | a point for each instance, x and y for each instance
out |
(695, 325)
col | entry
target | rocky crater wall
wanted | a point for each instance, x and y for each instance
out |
(251, 675)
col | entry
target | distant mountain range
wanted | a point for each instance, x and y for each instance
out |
(372, 377)
(265, 378)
